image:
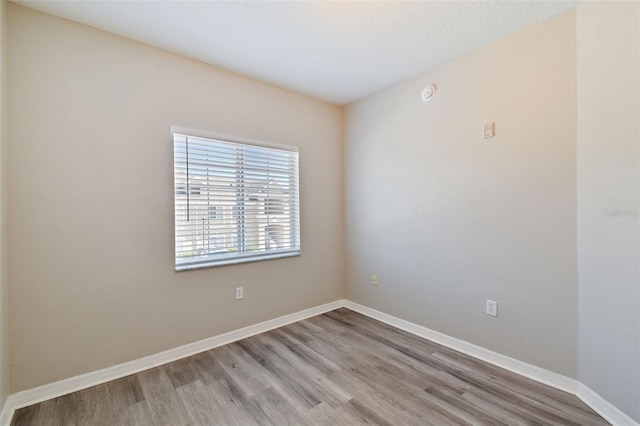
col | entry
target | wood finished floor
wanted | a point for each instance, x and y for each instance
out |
(340, 368)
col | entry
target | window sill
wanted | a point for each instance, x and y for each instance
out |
(236, 260)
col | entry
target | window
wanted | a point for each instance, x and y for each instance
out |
(216, 212)
(234, 202)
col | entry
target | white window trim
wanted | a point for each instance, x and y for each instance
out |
(237, 260)
(207, 134)
(184, 131)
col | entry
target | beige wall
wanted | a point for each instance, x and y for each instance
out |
(445, 218)
(609, 200)
(90, 196)
(448, 219)
(4, 305)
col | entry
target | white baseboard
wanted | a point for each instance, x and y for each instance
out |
(538, 374)
(73, 384)
(84, 381)
(558, 381)
(603, 407)
(7, 413)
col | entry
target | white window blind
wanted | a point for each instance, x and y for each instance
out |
(234, 202)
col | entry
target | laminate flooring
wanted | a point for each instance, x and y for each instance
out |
(340, 368)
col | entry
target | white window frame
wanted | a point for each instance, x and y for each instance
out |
(261, 235)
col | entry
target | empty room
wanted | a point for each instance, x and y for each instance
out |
(319, 212)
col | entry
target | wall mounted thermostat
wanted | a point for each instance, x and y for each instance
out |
(428, 93)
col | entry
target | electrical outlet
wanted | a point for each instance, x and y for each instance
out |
(239, 293)
(492, 308)
(374, 279)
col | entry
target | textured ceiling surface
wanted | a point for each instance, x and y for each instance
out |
(336, 51)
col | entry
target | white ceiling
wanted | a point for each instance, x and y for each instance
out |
(336, 51)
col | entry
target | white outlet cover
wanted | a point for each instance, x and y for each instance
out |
(492, 308)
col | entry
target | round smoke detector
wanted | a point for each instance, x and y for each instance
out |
(428, 93)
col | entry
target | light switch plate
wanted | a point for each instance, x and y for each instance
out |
(489, 131)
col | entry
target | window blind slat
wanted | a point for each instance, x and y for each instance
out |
(233, 202)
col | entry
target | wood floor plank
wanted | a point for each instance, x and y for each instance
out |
(242, 368)
(370, 399)
(232, 402)
(201, 403)
(304, 379)
(165, 406)
(501, 411)
(89, 409)
(340, 368)
(298, 389)
(278, 409)
(181, 372)
(125, 391)
(137, 414)
(325, 415)
(397, 387)
(308, 355)
(531, 389)
(356, 413)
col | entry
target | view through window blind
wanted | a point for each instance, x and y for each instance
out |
(234, 202)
